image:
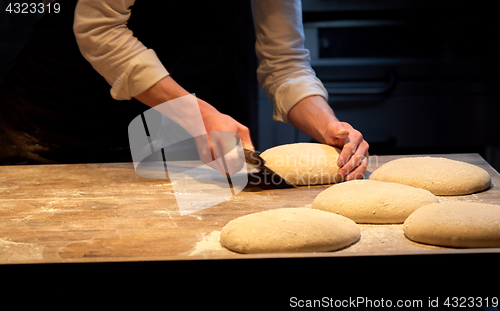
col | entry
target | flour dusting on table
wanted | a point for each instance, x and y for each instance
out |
(209, 245)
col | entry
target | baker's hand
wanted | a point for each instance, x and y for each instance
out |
(313, 116)
(353, 159)
(221, 144)
(223, 135)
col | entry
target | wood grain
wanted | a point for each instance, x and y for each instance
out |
(105, 212)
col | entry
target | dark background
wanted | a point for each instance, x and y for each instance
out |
(415, 77)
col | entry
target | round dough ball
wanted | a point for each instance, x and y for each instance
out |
(289, 230)
(455, 224)
(371, 201)
(304, 163)
(440, 176)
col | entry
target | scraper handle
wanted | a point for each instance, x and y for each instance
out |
(253, 158)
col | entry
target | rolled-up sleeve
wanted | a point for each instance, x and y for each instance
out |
(101, 32)
(284, 70)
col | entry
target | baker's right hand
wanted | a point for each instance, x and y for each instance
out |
(225, 130)
(222, 143)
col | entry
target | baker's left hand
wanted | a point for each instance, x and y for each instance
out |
(353, 159)
(313, 116)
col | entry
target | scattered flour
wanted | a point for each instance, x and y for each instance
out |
(209, 245)
(472, 198)
(19, 252)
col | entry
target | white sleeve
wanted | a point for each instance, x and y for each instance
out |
(101, 31)
(284, 70)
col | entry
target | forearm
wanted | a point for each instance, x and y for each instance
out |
(164, 90)
(185, 112)
(167, 89)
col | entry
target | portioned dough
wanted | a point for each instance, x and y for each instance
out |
(304, 163)
(289, 230)
(440, 176)
(455, 224)
(371, 201)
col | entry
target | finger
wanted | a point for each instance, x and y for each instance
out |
(204, 146)
(227, 149)
(360, 171)
(350, 148)
(218, 166)
(205, 152)
(246, 140)
(346, 153)
(235, 160)
(355, 160)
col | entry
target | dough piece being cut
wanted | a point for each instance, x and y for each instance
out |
(440, 176)
(371, 201)
(289, 230)
(455, 224)
(304, 163)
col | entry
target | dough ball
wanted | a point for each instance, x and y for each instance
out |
(289, 230)
(455, 224)
(371, 201)
(304, 163)
(440, 176)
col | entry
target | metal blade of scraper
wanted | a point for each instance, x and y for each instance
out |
(253, 158)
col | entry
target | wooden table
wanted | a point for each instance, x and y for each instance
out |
(106, 213)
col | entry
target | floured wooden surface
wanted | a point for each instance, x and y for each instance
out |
(375, 239)
(105, 212)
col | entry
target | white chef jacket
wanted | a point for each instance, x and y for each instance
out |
(130, 68)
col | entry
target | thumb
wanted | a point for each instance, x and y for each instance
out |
(246, 140)
(336, 134)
